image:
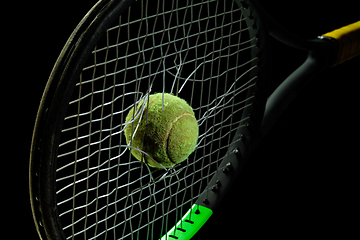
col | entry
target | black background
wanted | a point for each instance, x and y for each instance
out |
(300, 182)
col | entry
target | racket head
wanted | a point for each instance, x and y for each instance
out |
(62, 87)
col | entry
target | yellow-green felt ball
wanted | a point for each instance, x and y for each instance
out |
(167, 135)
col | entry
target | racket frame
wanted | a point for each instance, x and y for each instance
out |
(322, 53)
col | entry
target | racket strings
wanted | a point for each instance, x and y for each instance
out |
(199, 50)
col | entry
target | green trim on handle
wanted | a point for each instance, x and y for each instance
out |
(190, 223)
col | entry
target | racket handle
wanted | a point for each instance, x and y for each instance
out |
(348, 38)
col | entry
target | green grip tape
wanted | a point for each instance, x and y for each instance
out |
(189, 224)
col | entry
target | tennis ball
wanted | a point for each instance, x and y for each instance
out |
(167, 135)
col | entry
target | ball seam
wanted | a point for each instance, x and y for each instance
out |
(169, 131)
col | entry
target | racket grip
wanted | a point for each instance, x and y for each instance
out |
(348, 38)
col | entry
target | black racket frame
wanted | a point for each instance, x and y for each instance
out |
(265, 109)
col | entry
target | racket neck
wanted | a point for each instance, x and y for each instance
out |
(288, 90)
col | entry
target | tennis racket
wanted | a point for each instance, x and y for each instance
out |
(85, 184)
